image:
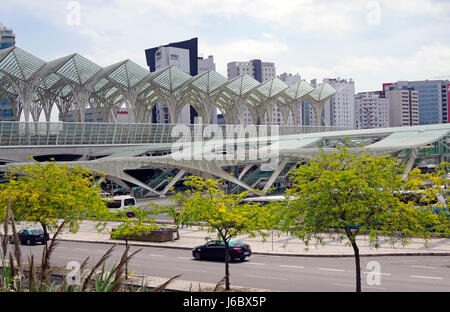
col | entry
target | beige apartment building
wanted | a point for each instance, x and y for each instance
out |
(403, 107)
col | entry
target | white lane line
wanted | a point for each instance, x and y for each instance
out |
(254, 263)
(327, 269)
(70, 258)
(191, 270)
(353, 286)
(422, 267)
(376, 273)
(81, 249)
(292, 266)
(267, 277)
(154, 255)
(426, 277)
(185, 258)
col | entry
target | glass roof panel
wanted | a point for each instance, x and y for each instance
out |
(209, 81)
(170, 78)
(242, 84)
(20, 64)
(410, 139)
(322, 92)
(128, 74)
(79, 69)
(272, 87)
(299, 90)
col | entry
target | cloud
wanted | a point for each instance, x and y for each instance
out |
(268, 48)
(428, 62)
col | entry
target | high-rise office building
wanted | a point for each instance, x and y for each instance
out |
(7, 40)
(371, 110)
(432, 99)
(261, 71)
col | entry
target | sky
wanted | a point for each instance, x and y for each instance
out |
(371, 42)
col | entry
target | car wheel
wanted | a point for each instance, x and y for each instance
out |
(197, 255)
(242, 258)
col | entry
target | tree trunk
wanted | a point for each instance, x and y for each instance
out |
(126, 262)
(227, 269)
(44, 227)
(357, 266)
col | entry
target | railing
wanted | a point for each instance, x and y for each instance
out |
(72, 133)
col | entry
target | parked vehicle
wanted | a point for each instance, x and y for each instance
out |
(121, 203)
(215, 249)
(120, 191)
(30, 236)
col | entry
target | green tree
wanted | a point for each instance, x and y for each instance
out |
(140, 224)
(226, 215)
(48, 193)
(346, 194)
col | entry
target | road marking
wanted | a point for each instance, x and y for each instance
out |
(153, 255)
(376, 273)
(268, 277)
(291, 266)
(185, 258)
(191, 270)
(327, 269)
(347, 285)
(422, 267)
(70, 258)
(254, 263)
(427, 277)
(82, 249)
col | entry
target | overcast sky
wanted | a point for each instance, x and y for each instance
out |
(370, 41)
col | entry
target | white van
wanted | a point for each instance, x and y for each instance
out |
(120, 203)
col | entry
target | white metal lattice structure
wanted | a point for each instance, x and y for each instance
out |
(74, 83)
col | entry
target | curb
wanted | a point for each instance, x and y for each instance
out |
(405, 254)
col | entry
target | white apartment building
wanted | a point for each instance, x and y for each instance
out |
(342, 104)
(371, 110)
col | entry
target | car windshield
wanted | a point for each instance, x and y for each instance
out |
(37, 231)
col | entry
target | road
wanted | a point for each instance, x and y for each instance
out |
(278, 273)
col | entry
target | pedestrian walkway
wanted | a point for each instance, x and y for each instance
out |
(276, 243)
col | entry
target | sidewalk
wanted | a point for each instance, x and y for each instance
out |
(276, 244)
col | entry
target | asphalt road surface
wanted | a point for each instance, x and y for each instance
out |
(278, 273)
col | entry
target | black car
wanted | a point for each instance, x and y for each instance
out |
(30, 236)
(215, 249)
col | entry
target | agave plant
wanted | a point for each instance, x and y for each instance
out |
(39, 279)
